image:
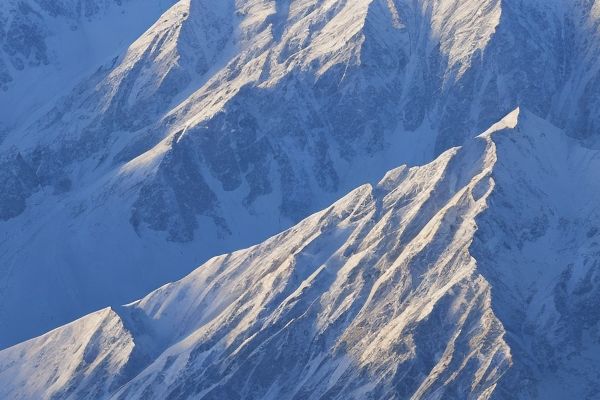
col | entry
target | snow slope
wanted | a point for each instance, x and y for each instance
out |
(48, 46)
(210, 126)
(469, 277)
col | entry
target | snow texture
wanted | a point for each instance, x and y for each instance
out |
(139, 138)
(473, 276)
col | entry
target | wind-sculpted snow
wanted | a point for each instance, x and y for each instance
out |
(212, 126)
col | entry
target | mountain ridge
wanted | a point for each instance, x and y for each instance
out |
(184, 143)
(361, 289)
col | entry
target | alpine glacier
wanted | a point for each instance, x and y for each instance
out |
(474, 276)
(140, 138)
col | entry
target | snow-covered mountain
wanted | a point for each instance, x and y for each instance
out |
(140, 138)
(474, 276)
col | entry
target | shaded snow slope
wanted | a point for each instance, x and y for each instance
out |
(470, 276)
(538, 246)
(48, 46)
